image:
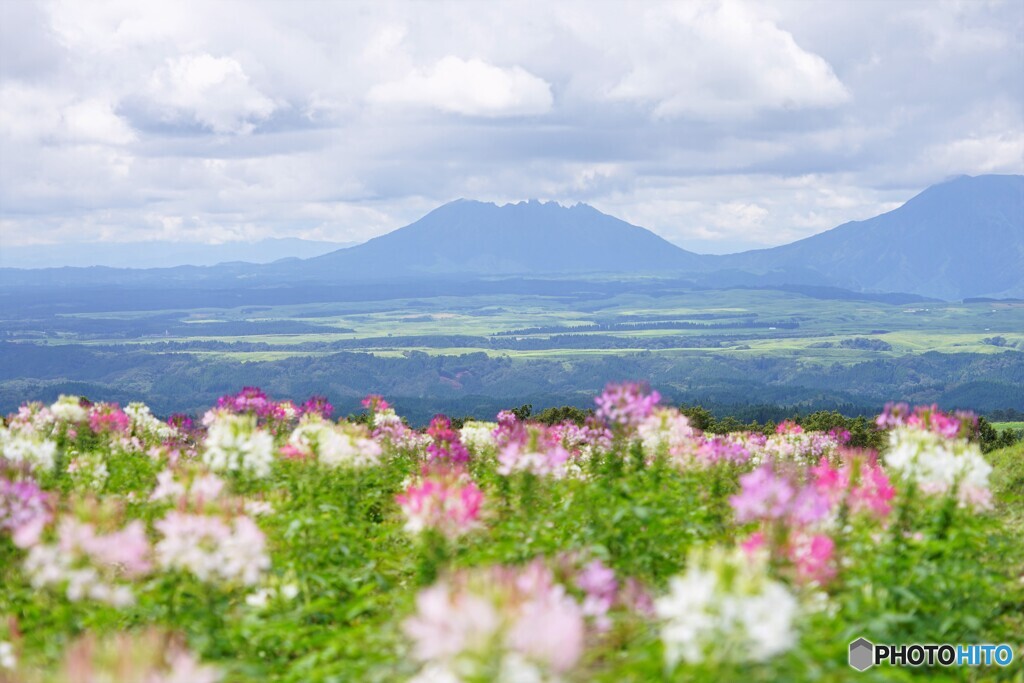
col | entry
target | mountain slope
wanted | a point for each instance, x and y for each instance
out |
(470, 237)
(957, 239)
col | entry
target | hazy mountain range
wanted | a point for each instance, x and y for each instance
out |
(961, 238)
(161, 254)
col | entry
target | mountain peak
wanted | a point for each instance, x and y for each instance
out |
(528, 237)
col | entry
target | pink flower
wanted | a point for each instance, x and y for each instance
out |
(248, 400)
(25, 510)
(108, 418)
(444, 499)
(524, 447)
(317, 405)
(762, 496)
(960, 424)
(375, 403)
(601, 588)
(812, 557)
(446, 445)
(480, 621)
(789, 427)
(626, 405)
(753, 543)
(868, 491)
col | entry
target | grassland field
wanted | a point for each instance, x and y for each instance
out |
(823, 325)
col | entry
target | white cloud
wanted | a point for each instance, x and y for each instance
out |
(126, 119)
(470, 87)
(46, 116)
(719, 59)
(215, 91)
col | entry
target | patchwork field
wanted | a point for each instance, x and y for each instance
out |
(803, 350)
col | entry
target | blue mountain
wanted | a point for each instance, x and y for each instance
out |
(957, 239)
(529, 238)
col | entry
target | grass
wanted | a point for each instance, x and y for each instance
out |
(1009, 426)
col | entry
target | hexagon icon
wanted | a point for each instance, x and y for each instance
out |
(862, 654)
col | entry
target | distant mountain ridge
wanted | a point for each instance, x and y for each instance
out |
(161, 254)
(468, 237)
(958, 239)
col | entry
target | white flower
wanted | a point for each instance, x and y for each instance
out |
(27, 446)
(940, 466)
(7, 659)
(68, 409)
(335, 445)
(664, 431)
(725, 606)
(88, 470)
(235, 443)
(144, 424)
(211, 548)
(478, 436)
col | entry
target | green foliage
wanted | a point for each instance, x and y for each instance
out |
(937, 573)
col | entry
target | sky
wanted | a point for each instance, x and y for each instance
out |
(721, 126)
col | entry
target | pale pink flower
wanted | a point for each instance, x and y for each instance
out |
(625, 405)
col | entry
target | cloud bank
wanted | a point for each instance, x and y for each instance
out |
(720, 125)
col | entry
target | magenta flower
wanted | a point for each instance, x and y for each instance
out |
(375, 403)
(317, 405)
(626, 405)
(181, 422)
(446, 500)
(812, 557)
(446, 445)
(248, 400)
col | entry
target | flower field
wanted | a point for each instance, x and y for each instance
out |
(268, 541)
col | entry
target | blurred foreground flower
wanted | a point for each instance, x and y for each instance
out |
(725, 608)
(497, 623)
(144, 657)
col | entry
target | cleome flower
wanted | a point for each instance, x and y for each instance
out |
(940, 466)
(478, 436)
(213, 548)
(332, 444)
(234, 443)
(23, 444)
(529, 447)
(665, 432)
(624, 406)
(90, 564)
(444, 499)
(25, 510)
(725, 608)
(500, 622)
